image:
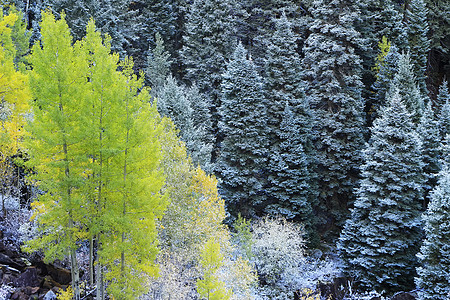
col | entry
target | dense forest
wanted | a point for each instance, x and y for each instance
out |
(206, 149)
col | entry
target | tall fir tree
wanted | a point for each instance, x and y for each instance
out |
(434, 271)
(202, 146)
(256, 22)
(380, 18)
(287, 105)
(209, 40)
(387, 67)
(189, 111)
(207, 44)
(405, 82)
(158, 66)
(289, 179)
(332, 70)
(243, 154)
(117, 18)
(382, 236)
(443, 106)
(418, 41)
(429, 133)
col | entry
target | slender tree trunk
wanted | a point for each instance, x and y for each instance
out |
(73, 256)
(91, 261)
(99, 274)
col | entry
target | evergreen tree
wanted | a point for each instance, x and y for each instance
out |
(439, 24)
(257, 20)
(378, 19)
(290, 127)
(116, 18)
(431, 141)
(419, 44)
(172, 103)
(290, 177)
(434, 272)
(405, 82)
(443, 104)
(242, 159)
(202, 146)
(210, 39)
(160, 17)
(332, 70)
(178, 103)
(387, 66)
(208, 42)
(382, 236)
(158, 66)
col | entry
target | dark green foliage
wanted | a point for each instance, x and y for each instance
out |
(434, 272)
(289, 178)
(429, 133)
(419, 44)
(377, 19)
(381, 86)
(443, 104)
(332, 70)
(210, 39)
(290, 128)
(243, 154)
(257, 23)
(113, 17)
(380, 240)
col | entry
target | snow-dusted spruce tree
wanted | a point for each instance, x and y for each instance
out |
(114, 17)
(380, 240)
(289, 178)
(438, 16)
(429, 133)
(256, 23)
(433, 278)
(202, 146)
(332, 69)
(158, 66)
(406, 84)
(419, 43)
(387, 66)
(208, 42)
(243, 153)
(159, 16)
(378, 19)
(443, 103)
(290, 126)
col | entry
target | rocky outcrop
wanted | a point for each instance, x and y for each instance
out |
(30, 280)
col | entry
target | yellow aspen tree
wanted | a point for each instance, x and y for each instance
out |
(54, 140)
(14, 96)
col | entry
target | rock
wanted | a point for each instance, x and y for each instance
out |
(28, 278)
(60, 275)
(50, 295)
(48, 283)
(403, 296)
(5, 259)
